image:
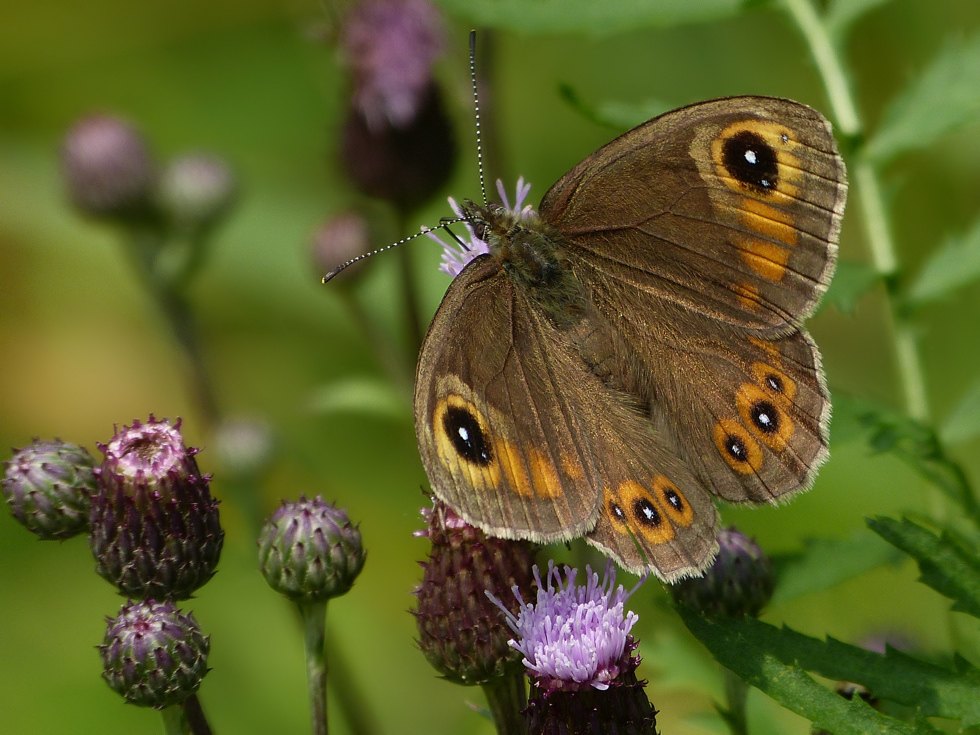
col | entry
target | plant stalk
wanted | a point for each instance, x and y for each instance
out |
(314, 627)
(507, 700)
(175, 721)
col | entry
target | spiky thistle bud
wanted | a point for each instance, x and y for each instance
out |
(153, 654)
(49, 487)
(108, 168)
(461, 631)
(740, 582)
(155, 529)
(309, 551)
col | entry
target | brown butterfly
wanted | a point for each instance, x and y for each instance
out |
(636, 345)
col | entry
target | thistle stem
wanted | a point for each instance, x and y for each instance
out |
(315, 627)
(175, 721)
(831, 69)
(195, 716)
(507, 700)
(348, 697)
(736, 692)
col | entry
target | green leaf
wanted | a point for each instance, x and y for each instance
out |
(616, 115)
(842, 14)
(587, 16)
(828, 562)
(947, 563)
(360, 395)
(964, 421)
(910, 441)
(774, 660)
(954, 265)
(850, 283)
(945, 96)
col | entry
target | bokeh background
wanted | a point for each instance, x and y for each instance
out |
(259, 83)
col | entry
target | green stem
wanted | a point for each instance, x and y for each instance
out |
(175, 721)
(346, 693)
(315, 626)
(507, 700)
(195, 716)
(385, 352)
(736, 692)
(882, 246)
(410, 294)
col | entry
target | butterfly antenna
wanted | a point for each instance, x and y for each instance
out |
(476, 106)
(444, 225)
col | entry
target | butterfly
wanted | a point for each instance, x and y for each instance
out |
(635, 346)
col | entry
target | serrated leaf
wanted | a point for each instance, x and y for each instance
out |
(616, 115)
(828, 562)
(842, 14)
(963, 421)
(945, 96)
(587, 16)
(850, 283)
(360, 395)
(946, 563)
(952, 266)
(774, 660)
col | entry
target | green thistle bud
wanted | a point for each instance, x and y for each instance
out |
(309, 551)
(153, 654)
(49, 487)
(195, 190)
(155, 527)
(462, 632)
(740, 582)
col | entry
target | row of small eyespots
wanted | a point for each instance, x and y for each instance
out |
(649, 513)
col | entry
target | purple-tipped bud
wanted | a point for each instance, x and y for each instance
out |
(579, 654)
(49, 487)
(155, 527)
(461, 631)
(153, 654)
(339, 239)
(390, 47)
(309, 551)
(195, 190)
(740, 582)
(404, 165)
(108, 168)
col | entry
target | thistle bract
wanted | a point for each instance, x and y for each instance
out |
(155, 529)
(49, 486)
(309, 551)
(461, 631)
(153, 654)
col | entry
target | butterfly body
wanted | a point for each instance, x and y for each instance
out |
(636, 346)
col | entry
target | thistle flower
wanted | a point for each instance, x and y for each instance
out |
(108, 168)
(340, 239)
(195, 190)
(461, 632)
(153, 654)
(49, 486)
(578, 652)
(309, 551)
(740, 582)
(155, 530)
(456, 257)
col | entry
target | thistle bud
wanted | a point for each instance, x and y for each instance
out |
(108, 168)
(49, 487)
(461, 631)
(153, 654)
(309, 551)
(340, 239)
(195, 190)
(155, 527)
(740, 582)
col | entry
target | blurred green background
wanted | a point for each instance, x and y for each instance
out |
(84, 348)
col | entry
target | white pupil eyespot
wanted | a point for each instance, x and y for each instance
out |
(464, 434)
(750, 156)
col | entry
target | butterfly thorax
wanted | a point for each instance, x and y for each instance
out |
(529, 250)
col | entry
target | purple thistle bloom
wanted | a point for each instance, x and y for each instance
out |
(574, 635)
(455, 258)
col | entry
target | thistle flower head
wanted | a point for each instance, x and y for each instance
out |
(456, 257)
(49, 486)
(574, 636)
(153, 654)
(195, 190)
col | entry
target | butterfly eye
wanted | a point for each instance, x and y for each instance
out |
(737, 447)
(766, 417)
(462, 426)
(642, 514)
(673, 501)
(748, 158)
